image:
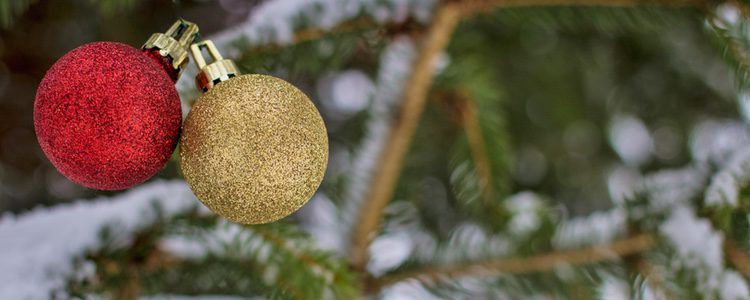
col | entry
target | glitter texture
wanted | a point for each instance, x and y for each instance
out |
(254, 149)
(165, 62)
(107, 116)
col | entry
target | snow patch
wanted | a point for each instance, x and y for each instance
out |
(631, 140)
(395, 64)
(622, 182)
(594, 229)
(525, 208)
(392, 250)
(726, 184)
(697, 245)
(275, 21)
(733, 287)
(347, 92)
(38, 247)
(614, 289)
(204, 297)
(714, 141)
(666, 189)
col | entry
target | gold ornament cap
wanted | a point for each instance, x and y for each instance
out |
(211, 74)
(174, 43)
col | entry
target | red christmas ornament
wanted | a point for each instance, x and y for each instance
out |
(107, 115)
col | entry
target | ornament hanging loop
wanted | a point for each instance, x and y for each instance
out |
(174, 42)
(217, 71)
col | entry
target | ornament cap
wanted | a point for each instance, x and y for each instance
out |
(214, 73)
(174, 43)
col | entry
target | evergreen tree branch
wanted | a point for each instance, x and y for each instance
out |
(468, 8)
(399, 139)
(650, 276)
(314, 33)
(522, 265)
(472, 7)
(478, 148)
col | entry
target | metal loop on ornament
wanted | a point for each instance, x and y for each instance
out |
(174, 42)
(217, 71)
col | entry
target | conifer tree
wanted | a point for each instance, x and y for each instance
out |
(480, 149)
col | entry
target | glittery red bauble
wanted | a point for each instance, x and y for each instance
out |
(107, 116)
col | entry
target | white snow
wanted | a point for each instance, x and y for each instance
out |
(594, 229)
(697, 245)
(733, 287)
(743, 99)
(202, 297)
(726, 184)
(38, 247)
(728, 13)
(614, 289)
(274, 21)
(715, 140)
(407, 290)
(526, 209)
(392, 250)
(631, 140)
(225, 239)
(345, 93)
(668, 188)
(320, 218)
(395, 63)
(622, 182)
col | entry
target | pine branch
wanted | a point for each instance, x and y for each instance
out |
(652, 278)
(481, 158)
(467, 7)
(478, 149)
(352, 26)
(399, 139)
(524, 265)
(472, 7)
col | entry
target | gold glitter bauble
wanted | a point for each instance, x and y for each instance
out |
(254, 149)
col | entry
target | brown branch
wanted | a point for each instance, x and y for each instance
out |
(478, 147)
(523, 265)
(399, 139)
(649, 274)
(738, 257)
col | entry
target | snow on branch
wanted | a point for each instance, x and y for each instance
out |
(714, 141)
(395, 64)
(699, 249)
(597, 228)
(280, 22)
(38, 248)
(726, 184)
(275, 22)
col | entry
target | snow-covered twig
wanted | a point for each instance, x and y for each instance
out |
(520, 265)
(38, 248)
(391, 159)
(395, 64)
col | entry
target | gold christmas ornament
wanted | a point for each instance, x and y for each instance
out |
(254, 147)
